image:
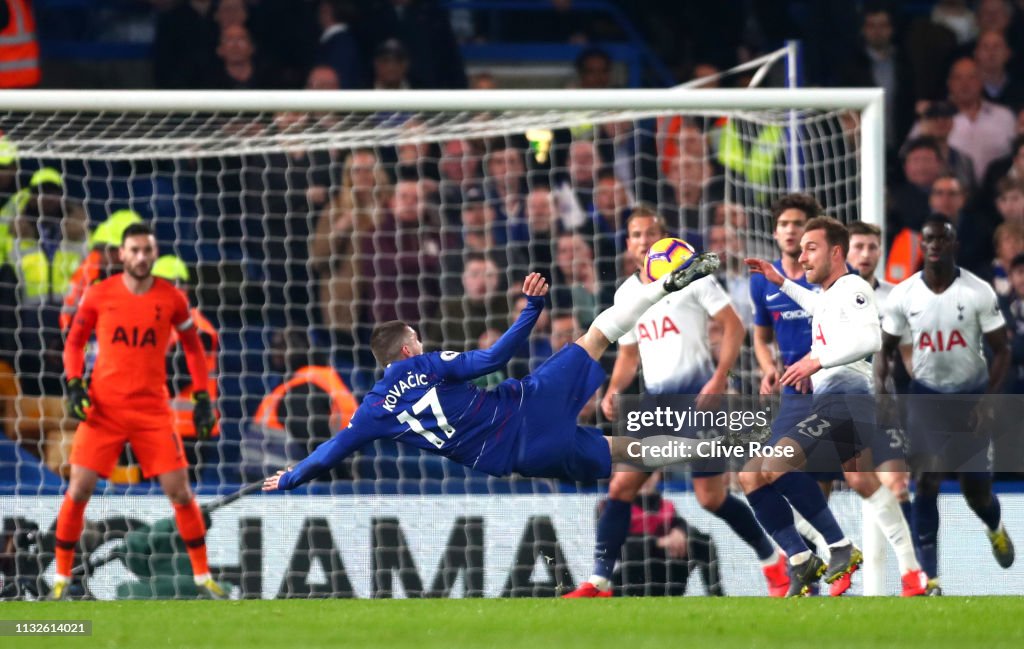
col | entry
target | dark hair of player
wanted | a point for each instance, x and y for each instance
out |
(386, 341)
(836, 233)
(136, 230)
(862, 228)
(645, 211)
(803, 202)
(941, 220)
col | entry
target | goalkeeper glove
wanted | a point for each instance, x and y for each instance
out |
(78, 403)
(202, 414)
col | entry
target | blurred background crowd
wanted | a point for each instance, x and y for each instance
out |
(292, 256)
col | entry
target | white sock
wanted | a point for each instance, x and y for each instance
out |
(808, 531)
(618, 319)
(770, 561)
(889, 518)
(599, 582)
(841, 543)
(201, 579)
(873, 544)
(63, 579)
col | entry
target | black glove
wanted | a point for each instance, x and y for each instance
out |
(78, 403)
(202, 414)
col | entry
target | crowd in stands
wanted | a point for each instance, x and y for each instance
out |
(441, 234)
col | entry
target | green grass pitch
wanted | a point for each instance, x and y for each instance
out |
(627, 623)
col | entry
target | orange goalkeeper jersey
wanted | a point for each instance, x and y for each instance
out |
(133, 332)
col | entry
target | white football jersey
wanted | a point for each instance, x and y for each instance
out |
(946, 330)
(882, 292)
(673, 336)
(845, 331)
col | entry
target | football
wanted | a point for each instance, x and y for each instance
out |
(667, 255)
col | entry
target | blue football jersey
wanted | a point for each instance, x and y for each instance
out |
(428, 402)
(773, 308)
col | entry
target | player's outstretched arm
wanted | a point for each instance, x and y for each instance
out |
(471, 365)
(326, 456)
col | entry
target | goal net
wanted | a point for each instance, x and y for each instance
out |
(302, 219)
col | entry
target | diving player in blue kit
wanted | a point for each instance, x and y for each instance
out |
(526, 427)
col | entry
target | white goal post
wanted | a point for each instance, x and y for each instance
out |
(128, 135)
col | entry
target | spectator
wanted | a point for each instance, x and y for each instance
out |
(239, 68)
(49, 241)
(339, 49)
(908, 201)
(478, 307)
(458, 168)
(1013, 311)
(937, 122)
(981, 129)
(180, 62)
(576, 287)
(309, 405)
(323, 77)
(535, 252)
(992, 55)
(483, 81)
(1009, 242)
(9, 192)
(724, 240)
(574, 195)
(344, 227)
(1010, 200)
(974, 231)
(880, 62)
(605, 229)
(425, 32)
(504, 186)
(390, 66)
(1009, 166)
(403, 260)
(594, 69)
(279, 220)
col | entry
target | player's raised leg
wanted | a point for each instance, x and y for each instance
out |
(192, 529)
(70, 521)
(612, 531)
(616, 321)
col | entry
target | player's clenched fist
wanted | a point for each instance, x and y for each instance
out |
(78, 404)
(202, 414)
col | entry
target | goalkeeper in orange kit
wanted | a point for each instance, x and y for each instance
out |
(133, 315)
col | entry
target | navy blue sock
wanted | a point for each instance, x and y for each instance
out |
(775, 516)
(804, 494)
(612, 530)
(990, 514)
(977, 491)
(926, 532)
(739, 517)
